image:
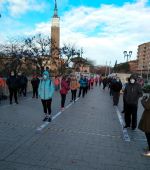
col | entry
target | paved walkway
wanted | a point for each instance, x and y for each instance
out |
(86, 136)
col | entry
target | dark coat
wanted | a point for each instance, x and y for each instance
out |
(35, 82)
(116, 86)
(144, 124)
(12, 82)
(132, 93)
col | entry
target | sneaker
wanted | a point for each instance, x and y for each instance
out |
(49, 119)
(45, 119)
(17, 102)
(146, 154)
(126, 126)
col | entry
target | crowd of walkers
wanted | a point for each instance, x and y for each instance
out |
(44, 88)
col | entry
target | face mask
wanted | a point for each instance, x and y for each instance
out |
(132, 81)
(45, 76)
(117, 80)
(12, 74)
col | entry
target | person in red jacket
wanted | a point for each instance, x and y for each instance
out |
(63, 91)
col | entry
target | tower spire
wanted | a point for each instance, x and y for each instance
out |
(55, 10)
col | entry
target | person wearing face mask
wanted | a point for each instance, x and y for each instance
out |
(12, 83)
(116, 87)
(132, 93)
(46, 91)
(74, 85)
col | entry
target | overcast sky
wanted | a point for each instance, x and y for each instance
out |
(103, 28)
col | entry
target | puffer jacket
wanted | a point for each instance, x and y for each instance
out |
(74, 85)
(64, 87)
(132, 93)
(46, 88)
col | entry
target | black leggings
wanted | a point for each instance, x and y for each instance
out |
(13, 92)
(148, 139)
(47, 106)
(131, 115)
(74, 92)
(63, 99)
(35, 92)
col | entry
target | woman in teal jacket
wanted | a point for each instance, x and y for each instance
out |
(46, 91)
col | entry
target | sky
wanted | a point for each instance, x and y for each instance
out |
(103, 28)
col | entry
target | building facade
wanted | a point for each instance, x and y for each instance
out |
(143, 56)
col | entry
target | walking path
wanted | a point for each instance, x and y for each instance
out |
(86, 136)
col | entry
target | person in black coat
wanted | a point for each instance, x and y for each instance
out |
(116, 87)
(12, 83)
(35, 84)
(23, 84)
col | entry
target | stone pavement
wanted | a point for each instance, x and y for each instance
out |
(86, 136)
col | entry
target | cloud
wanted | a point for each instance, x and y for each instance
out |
(18, 7)
(103, 32)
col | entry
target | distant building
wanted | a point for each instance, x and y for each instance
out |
(143, 56)
(133, 66)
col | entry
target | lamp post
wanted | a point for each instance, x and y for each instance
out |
(127, 54)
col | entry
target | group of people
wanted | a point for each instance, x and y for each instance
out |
(44, 88)
(17, 85)
(132, 91)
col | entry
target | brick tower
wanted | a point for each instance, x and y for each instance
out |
(55, 34)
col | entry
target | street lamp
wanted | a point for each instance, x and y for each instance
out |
(127, 55)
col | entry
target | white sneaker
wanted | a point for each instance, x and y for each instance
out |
(146, 154)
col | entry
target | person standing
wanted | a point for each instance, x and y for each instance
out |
(74, 85)
(92, 82)
(2, 85)
(35, 84)
(144, 124)
(123, 88)
(132, 93)
(57, 83)
(63, 91)
(96, 81)
(24, 83)
(100, 80)
(116, 87)
(12, 83)
(46, 91)
(83, 83)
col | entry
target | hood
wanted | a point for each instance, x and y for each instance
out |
(46, 73)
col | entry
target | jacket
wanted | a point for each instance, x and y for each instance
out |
(132, 93)
(116, 86)
(12, 82)
(74, 85)
(64, 87)
(144, 123)
(83, 82)
(35, 82)
(46, 88)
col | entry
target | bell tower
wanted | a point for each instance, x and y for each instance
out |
(55, 34)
